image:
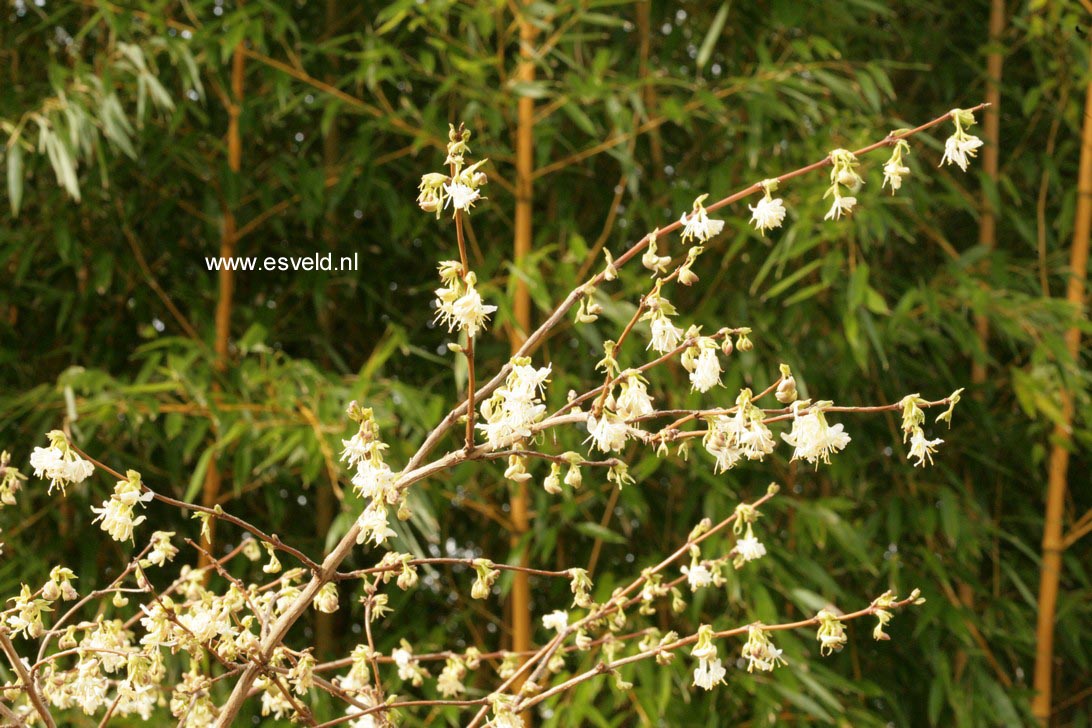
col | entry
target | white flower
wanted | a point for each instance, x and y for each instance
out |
(842, 205)
(742, 435)
(374, 480)
(470, 313)
(760, 652)
(724, 448)
(505, 719)
(355, 449)
(403, 658)
(458, 303)
(815, 440)
(958, 148)
(162, 548)
(698, 576)
(829, 643)
(767, 214)
(556, 620)
(634, 400)
(754, 438)
(461, 196)
(373, 524)
(512, 410)
(609, 431)
(450, 682)
(431, 192)
(408, 667)
(666, 336)
(749, 548)
(116, 514)
(922, 448)
(709, 673)
(59, 463)
(88, 689)
(893, 172)
(326, 600)
(706, 372)
(698, 224)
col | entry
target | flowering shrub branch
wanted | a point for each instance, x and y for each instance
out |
(243, 629)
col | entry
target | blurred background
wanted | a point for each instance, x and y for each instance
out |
(142, 136)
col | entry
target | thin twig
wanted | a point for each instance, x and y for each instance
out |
(26, 678)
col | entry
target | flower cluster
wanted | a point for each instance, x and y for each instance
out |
(698, 225)
(709, 672)
(960, 147)
(832, 633)
(700, 574)
(409, 667)
(921, 447)
(811, 437)
(516, 405)
(374, 480)
(748, 547)
(608, 431)
(703, 364)
(743, 435)
(116, 513)
(769, 213)
(666, 336)
(894, 170)
(842, 174)
(881, 608)
(633, 401)
(59, 463)
(162, 550)
(462, 188)
(760, 652)
(11, 480)
(459, 306)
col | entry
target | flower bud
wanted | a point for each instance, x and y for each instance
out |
(51, 592)
(786, 391)
(326, 600)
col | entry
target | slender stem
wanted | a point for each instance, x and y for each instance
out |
(603, 668)
(469, 350)
(25, 676)
(368, 602)
(450, 561)
(7, 712)
(216, 512)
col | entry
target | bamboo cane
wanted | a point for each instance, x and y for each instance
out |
(1057, 472)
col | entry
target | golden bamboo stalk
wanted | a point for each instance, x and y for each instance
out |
(1057, 470)
(210, 493)
(520, 607)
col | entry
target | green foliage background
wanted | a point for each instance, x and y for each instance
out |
(347, 104)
